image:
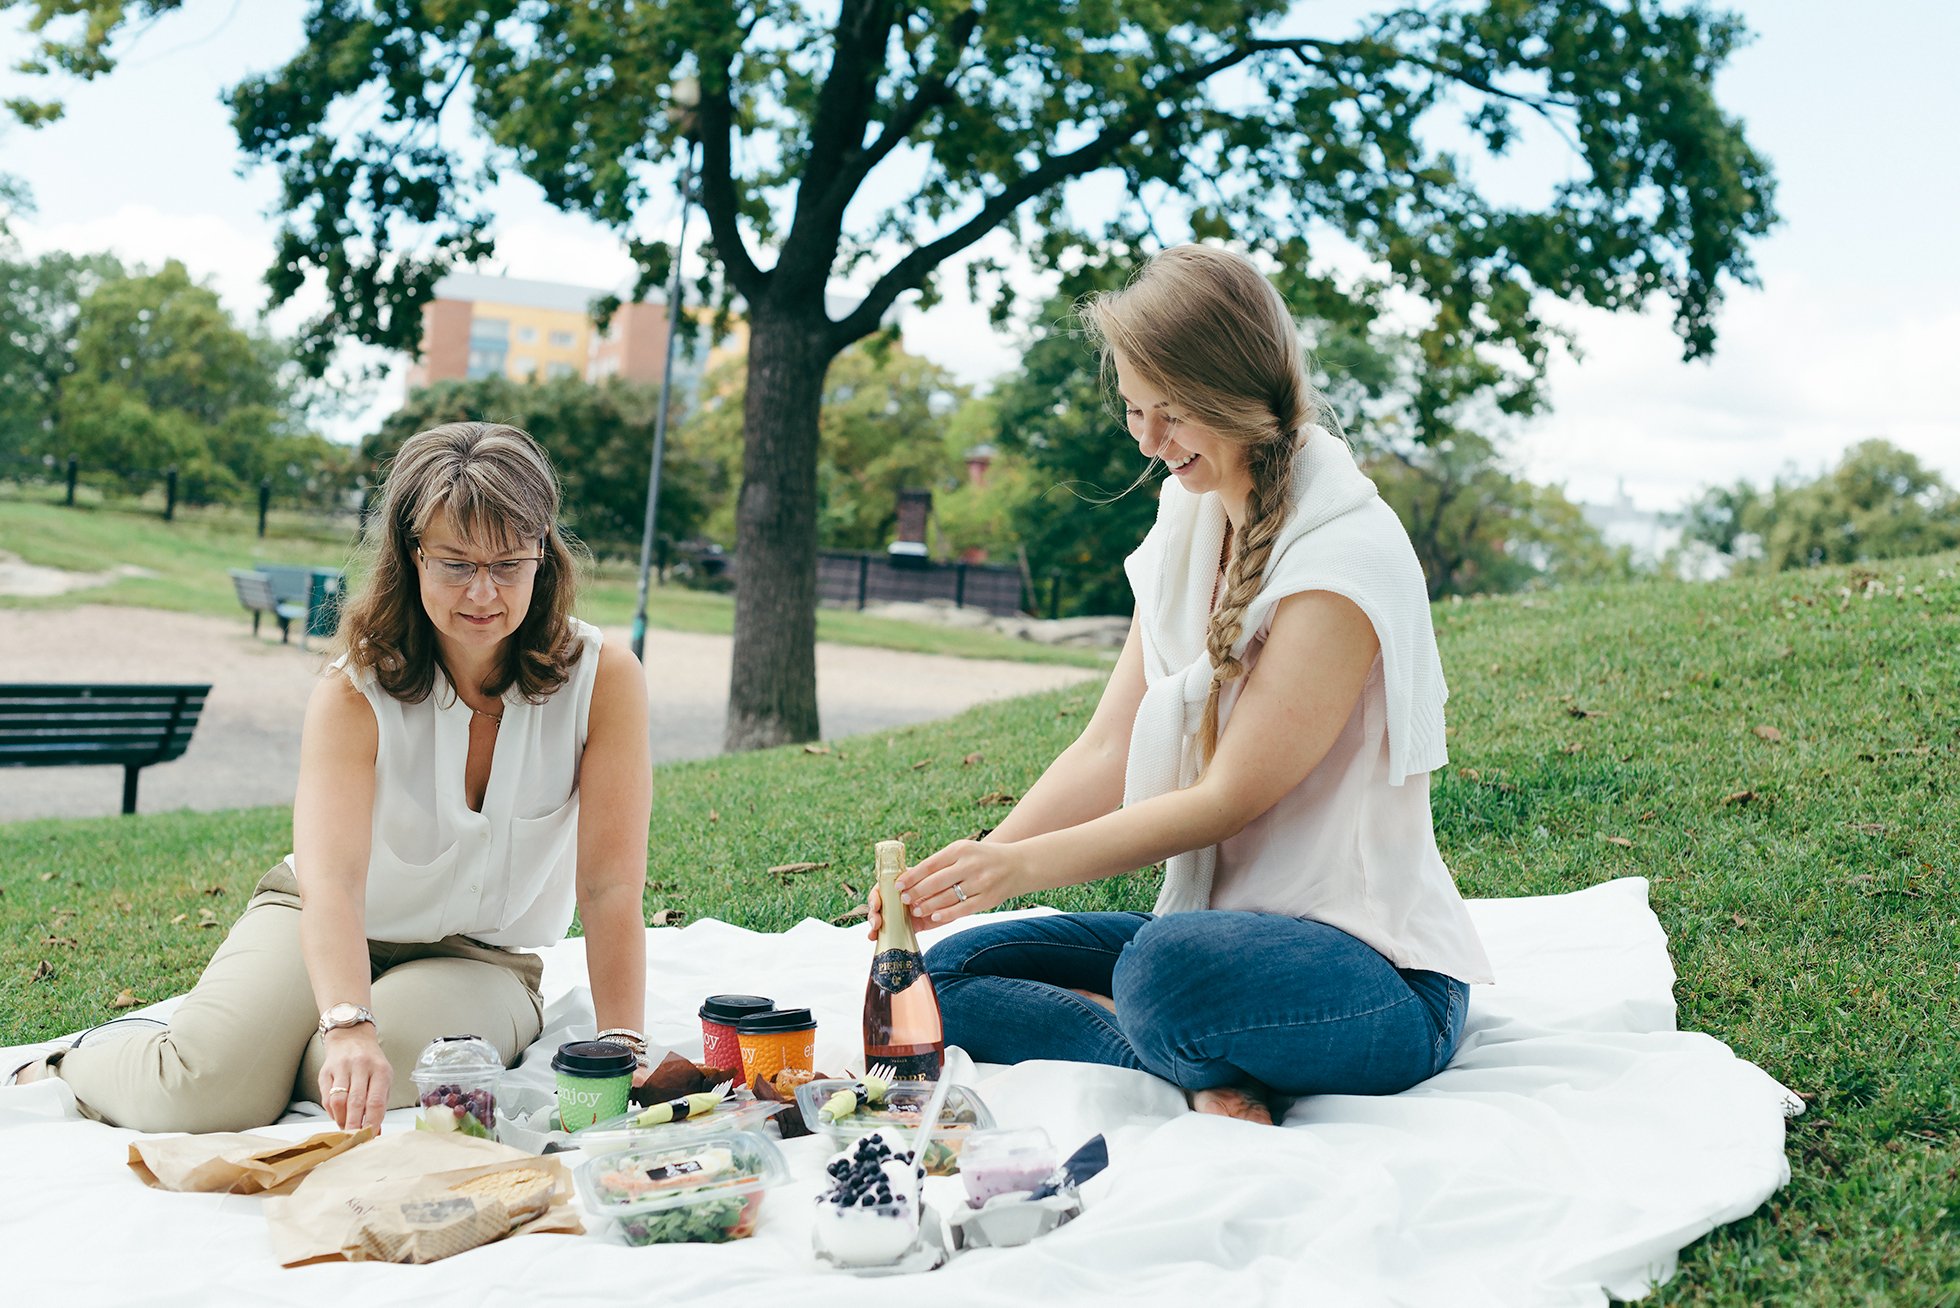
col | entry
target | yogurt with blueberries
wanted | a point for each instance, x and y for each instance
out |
(868, 1214)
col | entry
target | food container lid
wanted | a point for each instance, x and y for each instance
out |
(693, 1169)
(1020, 1144)
(457, 1058)
(599, 1058)
(962, 1108)
(611, 1134)
(781, 1019)
(730, 1009)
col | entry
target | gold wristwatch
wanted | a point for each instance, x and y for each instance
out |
(345, 1015)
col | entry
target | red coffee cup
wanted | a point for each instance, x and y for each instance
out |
(720, 1046)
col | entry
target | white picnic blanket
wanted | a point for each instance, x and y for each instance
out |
(1575, 1146)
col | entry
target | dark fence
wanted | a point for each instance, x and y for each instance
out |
(851, 580)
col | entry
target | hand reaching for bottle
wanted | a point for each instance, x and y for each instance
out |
(967, 876)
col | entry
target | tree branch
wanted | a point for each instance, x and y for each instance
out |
(910, 272)
(719, 201)
(900, 125)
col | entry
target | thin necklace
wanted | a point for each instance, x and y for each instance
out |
(494, 717)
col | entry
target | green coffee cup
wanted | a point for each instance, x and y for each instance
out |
(595, 1078)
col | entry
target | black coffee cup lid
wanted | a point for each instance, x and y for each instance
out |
(782, 1019)
(594, 1058)
(730, 1009)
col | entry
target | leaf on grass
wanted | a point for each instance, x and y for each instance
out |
(795, 869)
(1470, 774)
(1739, 919)
(1576, 747)
(180, 918)
(1868, 828)
(124, 999)
(44, 972)
(971, 759)
(1768, 733)
(851, 915)
(1648, 816)
(1739, 797)
(714, 815)
(48, 876)
(1917, 751)
(123, 906)
(667, 917)
(1578, 712)
(59, 942)
(214, 891)
(816, 749)
(995, 798)
(849, 889)
(206, 918)
(1621, 841)
(922, 763)
(906, 835)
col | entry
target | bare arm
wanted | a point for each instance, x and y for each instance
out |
(1086, 780)
(1295, 702)
(615, 803)
(333, 811)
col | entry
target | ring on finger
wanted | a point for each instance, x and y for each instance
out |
(959, 892)
(337, 1090)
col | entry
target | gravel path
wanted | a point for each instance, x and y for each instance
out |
(246, 749)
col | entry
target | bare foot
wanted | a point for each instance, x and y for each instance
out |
(1095, 998)
(1230, 1101)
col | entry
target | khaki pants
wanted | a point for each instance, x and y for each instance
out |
(245, 1042)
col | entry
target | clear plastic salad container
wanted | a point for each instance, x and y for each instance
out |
(624, 1131)
(704, 1188)
(456, 1081)
(1005, 1161)
(961, 1115)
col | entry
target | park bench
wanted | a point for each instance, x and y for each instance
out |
(68, 725)
(314, 591)
(255, 592)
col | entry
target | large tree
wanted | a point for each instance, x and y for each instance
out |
(870, 141)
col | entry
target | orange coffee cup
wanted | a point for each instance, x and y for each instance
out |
(773, 1041)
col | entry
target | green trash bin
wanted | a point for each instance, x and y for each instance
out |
(323, 601)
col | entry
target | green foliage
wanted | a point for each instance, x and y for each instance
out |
(1478, 529)
(1805, 883)
(162, 378)
(600, 438)
(882, 429)
(40, 312)
(1880, 502)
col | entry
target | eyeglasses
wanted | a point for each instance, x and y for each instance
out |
(461, 572)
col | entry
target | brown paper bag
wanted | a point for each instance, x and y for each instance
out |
(319, 1219)
(233, 1162)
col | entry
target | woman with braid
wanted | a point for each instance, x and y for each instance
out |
(1267, 735)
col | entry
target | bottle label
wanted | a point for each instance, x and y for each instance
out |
(915, 1067)
(895, 969)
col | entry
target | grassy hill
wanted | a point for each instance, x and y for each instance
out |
(182, 567)
(1777, 755)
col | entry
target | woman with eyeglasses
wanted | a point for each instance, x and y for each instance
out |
(473, 767)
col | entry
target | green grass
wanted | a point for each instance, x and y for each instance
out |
(1807, 882)
(186, 562)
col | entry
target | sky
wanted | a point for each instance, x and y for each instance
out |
(1849, 336)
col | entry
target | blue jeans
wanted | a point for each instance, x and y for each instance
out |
(1202, 999)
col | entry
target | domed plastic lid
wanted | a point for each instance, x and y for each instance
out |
(458, 1057)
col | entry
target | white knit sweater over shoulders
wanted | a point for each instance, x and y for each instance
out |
(1333, 540)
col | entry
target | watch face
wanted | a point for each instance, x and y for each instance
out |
(342, 1014)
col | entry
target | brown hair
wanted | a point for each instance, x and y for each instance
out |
(1205, 328)
(494, 485)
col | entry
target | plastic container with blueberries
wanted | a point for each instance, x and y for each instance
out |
(456, 1081)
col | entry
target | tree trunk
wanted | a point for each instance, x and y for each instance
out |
(772, 689)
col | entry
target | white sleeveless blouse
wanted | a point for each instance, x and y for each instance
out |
(505, 876)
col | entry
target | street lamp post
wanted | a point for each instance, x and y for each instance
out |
(686, 95)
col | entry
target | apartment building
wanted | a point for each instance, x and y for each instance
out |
(481, 326)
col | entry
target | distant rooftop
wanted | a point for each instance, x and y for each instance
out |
(477, 287)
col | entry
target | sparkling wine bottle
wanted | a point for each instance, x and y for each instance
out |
(901, 1010)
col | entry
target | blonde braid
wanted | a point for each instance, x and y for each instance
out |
(1271, 466)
